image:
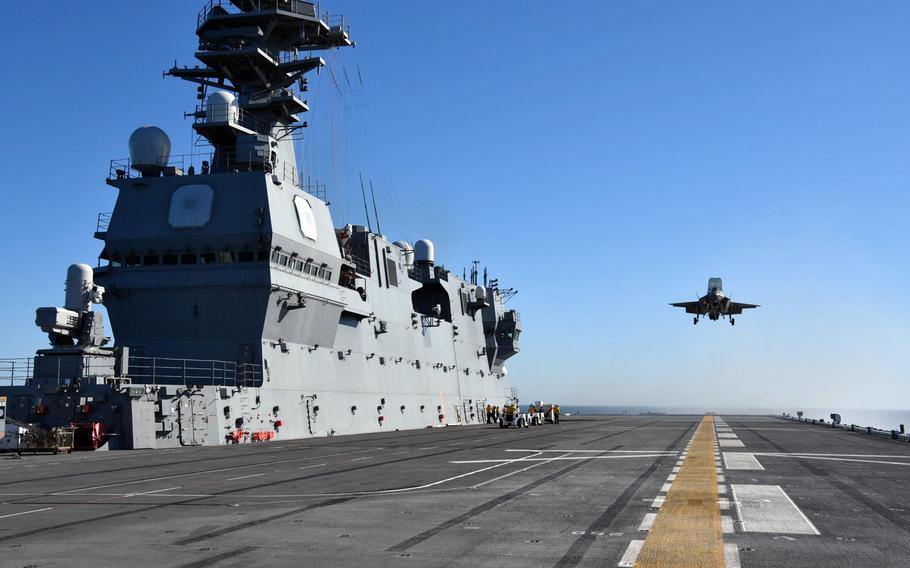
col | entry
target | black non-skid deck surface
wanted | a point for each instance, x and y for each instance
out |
(572, 494)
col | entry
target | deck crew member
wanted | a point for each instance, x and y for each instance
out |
(489, 413)
(556, 414)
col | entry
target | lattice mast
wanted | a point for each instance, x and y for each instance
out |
(254, 53)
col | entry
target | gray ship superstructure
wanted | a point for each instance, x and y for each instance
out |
(241, 313)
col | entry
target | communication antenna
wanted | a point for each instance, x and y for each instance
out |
(365, 208)
(375, 210)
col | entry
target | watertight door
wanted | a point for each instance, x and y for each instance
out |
(192, 422)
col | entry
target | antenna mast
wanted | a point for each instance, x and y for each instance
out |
(365, 208)
(375, 210)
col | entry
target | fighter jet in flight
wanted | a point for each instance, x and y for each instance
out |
(714, 304)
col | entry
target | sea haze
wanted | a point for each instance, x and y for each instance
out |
(884, 419)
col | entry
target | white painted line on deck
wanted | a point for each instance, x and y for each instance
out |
(562, 451)
(721, 489)
(855, 460)
(727, 436)
(647, 522)
(731, 444)
(204, 472)
(768, 509)
(363, 458)
(151, 492)
(511, 473)
(564, 457)
(658, 502)
(731, 556)
(671, 478)
(311, 466)
(631, 554)
(244, 476)
(721, 479)
(25, 513)
(726, 524)
(723, 503)
(802, 454)
(741, 460)
(665, 488)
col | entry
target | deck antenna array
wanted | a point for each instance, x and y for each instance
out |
(375, 210)
(365, 208)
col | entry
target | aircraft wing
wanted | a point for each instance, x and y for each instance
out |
(737, 308)
(691, 307)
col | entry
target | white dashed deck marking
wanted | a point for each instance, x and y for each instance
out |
(741, 460)
(631, 554)
(731, 444)
(647, 522)
(731, 556)
(768, 509)
(25, 513)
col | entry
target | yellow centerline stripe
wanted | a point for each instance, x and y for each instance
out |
(687, 530)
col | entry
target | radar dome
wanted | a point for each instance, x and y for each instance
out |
(79, 280)
(221, 106)
(150, 148)
(481, 293)
(424, 251)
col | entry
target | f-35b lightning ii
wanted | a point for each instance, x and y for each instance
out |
(714, 304)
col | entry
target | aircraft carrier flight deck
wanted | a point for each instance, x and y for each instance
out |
(592, 491)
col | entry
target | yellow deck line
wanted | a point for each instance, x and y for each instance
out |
(687, 530)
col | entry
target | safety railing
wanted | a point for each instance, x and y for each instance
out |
(104, 221)
(16, 371)
(361, 265)
(203, 164)
(178, 164)
(898, 434)
(315, 189)
(166, 370)
(230, 115)
(222, 7)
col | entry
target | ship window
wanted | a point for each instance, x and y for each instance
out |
(328, 274)
(207, 258)
(225, 257)
(392, 272)
(298, 265)
(116, 261)
(282, 260)
(276, 256)
(188, 258)
(132, 261)
(151, 260)
(305, 217)
(321, 272)
(169, 259)
(246, 256)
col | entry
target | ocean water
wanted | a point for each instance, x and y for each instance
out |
(884, 419)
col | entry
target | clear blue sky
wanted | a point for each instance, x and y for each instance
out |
(605, 158)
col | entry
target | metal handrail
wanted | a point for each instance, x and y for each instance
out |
(104, 221)
(16, 371)
(168, 370)
(302, 7)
